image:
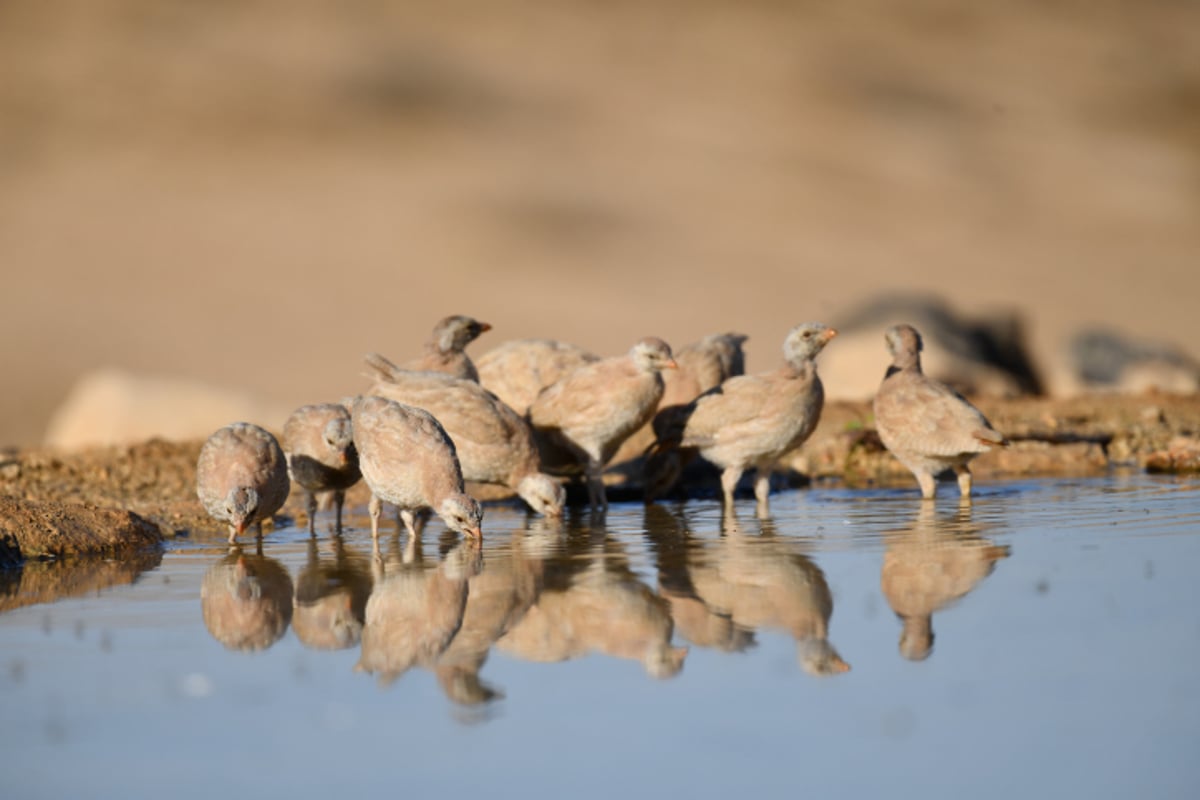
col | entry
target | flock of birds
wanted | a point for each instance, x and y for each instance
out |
(534, 412)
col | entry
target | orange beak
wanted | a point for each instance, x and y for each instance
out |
(484, 326)
(830, 333)
(474, 533)
(671, 364)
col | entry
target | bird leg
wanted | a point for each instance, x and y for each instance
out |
(597, 497)
(964, 479)
(762, 489)
(312, 513)
(729, 482)
(374, 508)
(414, 521)
(233, 534)
(928, 485)
(339, 499)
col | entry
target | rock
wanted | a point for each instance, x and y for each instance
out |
(976, 356)
(1102, 359)
(1181, 455)
(55, 530)
(110, 406)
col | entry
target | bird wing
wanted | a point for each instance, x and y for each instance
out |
(929, 417)
(725, 408)
(584, 394)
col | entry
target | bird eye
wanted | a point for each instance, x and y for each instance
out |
(807, 334)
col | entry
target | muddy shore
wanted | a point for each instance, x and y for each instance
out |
(119, 501)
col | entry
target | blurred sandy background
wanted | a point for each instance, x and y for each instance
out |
(253, 194)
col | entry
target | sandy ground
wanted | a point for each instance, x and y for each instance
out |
(253, 194)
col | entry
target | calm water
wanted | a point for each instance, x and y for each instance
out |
(662, 652)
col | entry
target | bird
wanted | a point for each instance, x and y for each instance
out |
(580, 421)
(703, 365)
(747, 421)
(517, 370)
(925, 424)
(494, 444)
(407, 459)
(444, 350)
(241, 477)
(319, 445)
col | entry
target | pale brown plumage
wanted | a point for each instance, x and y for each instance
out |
(407, 459)
(925, 424)
(518, 370)
(703, 365)
(319, 445)
(580, 421)
(494, 444)
(445, 349)
(241, 477)
(748, 421)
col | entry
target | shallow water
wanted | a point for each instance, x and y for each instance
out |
(665, 650)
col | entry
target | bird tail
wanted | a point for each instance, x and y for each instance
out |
(381, 368)
(990, 436)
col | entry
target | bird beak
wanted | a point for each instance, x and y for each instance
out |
(830, 333)
(240, 526)
(670, 364)
(484, 326)
(474, 533)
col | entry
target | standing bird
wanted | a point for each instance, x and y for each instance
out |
(444, 351)
(747, 421)
(925, 424)
(408, 460)
(319, 446)
(516, 371)
(241, 477)
(493, 444)
(581, 420)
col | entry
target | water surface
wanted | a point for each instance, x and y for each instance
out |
(1043, 641)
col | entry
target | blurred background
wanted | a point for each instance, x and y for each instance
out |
(248, 195)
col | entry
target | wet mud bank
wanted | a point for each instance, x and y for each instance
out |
(118, 501)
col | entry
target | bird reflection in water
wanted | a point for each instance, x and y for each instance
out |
(498, 597)
(246, 600)
(592, 602)
(415, 609)
(722, 591)
(931, 565)
(331, 597)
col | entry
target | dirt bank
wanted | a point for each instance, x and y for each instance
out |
(129, 496)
